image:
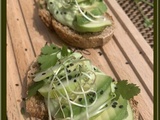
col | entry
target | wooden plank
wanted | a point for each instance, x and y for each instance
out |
(125, 72)
(19, 37)
(132, 31)
(132, 54)
(38, 32)
(14, 85)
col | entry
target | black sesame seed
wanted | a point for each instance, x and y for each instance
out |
(113, 80)
(91, 100)
(113, 95)
(121, 106)
(71, 100)
(101, 92)
(75, 80)
(17, 84)
(68, 71)
(115, 103)
(106, 105)
(79, 99)
(23, 99)
(52, 88)
(58, 83)
(95, 69)
(114, 106)
(47, 78)
(43, 73)
(57, 12)
(140, 52)
(100, 53)
(51, 3)
(71, 64)
(77, 75)
(39, 64)
(63, 106)
(61, 13)
(65, 12)
(81, 57)
(127, 62)
(54, 48)
(116, 88)
(69, 77)
(67, 66)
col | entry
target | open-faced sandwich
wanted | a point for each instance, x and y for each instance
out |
(79, 23)
(63, 85)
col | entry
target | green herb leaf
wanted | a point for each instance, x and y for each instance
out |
(48, 56)
(32, 90)
(148, 22)
(47, 61)
(49, 49)
(64, 51)
(126, 90)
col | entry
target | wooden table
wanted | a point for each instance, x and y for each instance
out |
(126, 56)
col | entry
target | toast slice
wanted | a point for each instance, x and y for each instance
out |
(36, 107)
(72, 37)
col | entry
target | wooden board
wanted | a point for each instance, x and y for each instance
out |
(125, 56)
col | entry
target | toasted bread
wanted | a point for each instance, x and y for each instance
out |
(36, 107)
(72, 37)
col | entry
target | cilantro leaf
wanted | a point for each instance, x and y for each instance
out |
(48, 56)
(64, 51)
(126, 90)
(49, 49)
(32, 90)
(47, 61)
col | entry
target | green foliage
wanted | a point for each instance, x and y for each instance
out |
(32, 90)
(48, 56)
(49, 49)
(47, 61)
(126, 90)
(147, 21)
(64, 51)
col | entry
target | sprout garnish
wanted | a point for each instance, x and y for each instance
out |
(78, 91)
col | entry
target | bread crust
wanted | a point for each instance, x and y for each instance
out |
(36, 107)
(72, 37)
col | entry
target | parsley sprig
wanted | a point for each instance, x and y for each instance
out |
(126, 90)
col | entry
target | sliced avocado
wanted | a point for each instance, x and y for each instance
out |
(92, 26)
(118, 110)
(79, 18)
(99, 86)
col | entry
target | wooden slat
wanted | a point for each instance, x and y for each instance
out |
(132, 31)
(14, 85)
(132, 54)
(125, 72)
(38, 32)
(19, 37)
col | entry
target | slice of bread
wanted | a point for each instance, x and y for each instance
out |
(72, 37)
(36, 107)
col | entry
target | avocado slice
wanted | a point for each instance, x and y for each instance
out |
(92, 26)
(118, 110)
